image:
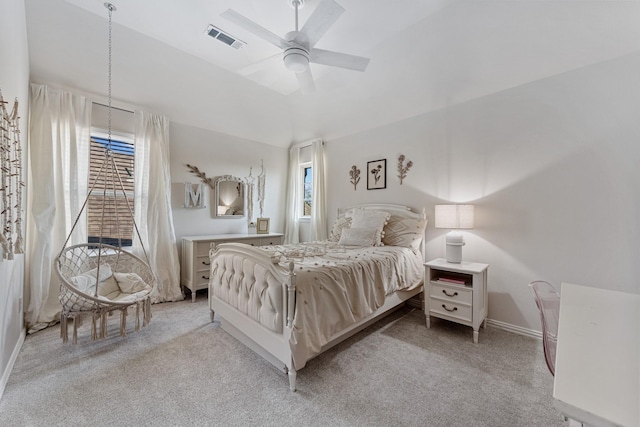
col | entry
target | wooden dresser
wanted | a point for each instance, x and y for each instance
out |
(194, 269)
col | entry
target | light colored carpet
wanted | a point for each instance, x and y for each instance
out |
(184, 370)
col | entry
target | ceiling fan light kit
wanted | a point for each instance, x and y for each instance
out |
(298, 45)
(296, 59)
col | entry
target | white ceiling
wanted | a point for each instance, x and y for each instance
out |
(425, 55)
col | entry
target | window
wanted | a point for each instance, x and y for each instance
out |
(307, 189)
(116, 226)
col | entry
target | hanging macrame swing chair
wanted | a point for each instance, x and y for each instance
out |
(98, 279)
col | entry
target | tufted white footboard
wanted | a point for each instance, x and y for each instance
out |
(255, 297)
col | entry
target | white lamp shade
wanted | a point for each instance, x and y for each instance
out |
(454, 216)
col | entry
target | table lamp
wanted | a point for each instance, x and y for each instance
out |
(454, 217)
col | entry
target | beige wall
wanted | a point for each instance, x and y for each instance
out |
(553, 167)
(218, 154)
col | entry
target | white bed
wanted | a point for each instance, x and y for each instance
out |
(291, 303)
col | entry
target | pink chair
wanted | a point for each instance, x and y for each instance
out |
(548, 302)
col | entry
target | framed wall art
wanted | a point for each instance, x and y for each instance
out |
(377, 174)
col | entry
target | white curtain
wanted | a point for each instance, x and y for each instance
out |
(294, 197)
(58, 167)
(153, 215)
(318, 224)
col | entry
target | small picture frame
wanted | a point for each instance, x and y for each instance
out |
(377, 174)
(262, 226)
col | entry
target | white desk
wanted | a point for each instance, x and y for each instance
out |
(597, 379)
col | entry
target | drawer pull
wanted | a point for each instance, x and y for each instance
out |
(454, 294)
(449, 309)
(206, 263)
(205, 277)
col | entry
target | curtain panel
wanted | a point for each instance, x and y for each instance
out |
(294, 190)
(152, 209)
(318, 230)
(58, 167)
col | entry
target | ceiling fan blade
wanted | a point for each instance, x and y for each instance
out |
(305, 80)
(337, 59)
(261, 64)
(255, 29)
(322, 18)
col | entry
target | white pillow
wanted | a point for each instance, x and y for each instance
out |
(369, 218)
(358, 236)
(130, 283)
(86, 282)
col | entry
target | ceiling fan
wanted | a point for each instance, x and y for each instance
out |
(298, 46)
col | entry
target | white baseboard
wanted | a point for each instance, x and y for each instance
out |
(14, 355)
(513, 328)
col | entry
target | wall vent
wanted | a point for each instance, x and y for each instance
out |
(225, 38)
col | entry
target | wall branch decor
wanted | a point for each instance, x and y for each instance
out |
(402, 168)
(11, 180)
(194, 170)
(354, 173)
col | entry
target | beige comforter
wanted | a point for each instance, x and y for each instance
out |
(337, 287)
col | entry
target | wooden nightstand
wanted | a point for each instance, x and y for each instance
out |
(456, 292)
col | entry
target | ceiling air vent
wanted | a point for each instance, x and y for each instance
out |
(225, 38)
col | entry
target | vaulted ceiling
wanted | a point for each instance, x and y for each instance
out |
(425, 55)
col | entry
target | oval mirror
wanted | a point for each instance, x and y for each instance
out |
(229, 196)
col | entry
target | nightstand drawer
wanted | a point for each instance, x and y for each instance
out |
(451, 309)
(451, 293)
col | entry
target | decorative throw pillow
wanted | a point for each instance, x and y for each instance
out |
(405, 232)
(336, 231)
(358, 236)
(130, 283)
(369, 218)
(86, 282)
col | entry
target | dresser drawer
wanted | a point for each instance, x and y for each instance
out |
(449, 308)
(266, 241)
(202, 278)
(451, 293)
(251, 242)
(202, 249)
